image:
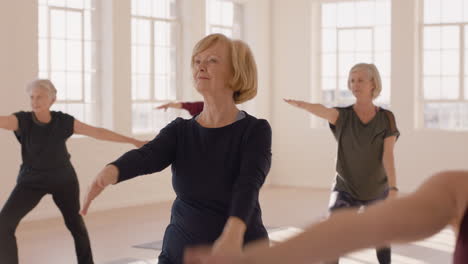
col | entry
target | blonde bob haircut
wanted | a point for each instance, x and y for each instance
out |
(44, 84)
(373, 75)
(244, 77)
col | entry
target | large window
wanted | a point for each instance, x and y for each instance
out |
(444, 75)
(154, 62)
(67, 54)
(224, 17)
(353, 32)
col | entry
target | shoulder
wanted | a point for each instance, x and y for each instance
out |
(344, 109)
(22, 115)
(176, 124)
(388, 115)
(258, 125)
(62, 115)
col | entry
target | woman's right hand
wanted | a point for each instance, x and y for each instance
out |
(296, 103)
(107, 176)
(169, 105)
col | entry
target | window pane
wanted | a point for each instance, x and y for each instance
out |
(75, 3)
(57, 3)
(141, 117)
(452, 116)
(328, 15)
(76, 110)
(227, 11)
(143, 7)
(345, 62)
(162, 60)
(58, 55)
(451, 11)
(383, 12)
(363, 40)
(161, 87)
(141, 31)
(450, 37)
(343, 83)
(329, 65)
(450, 62)
(142, 87)
(346, 15)
(75, 86)
(385, 93)
(432, 38)
(382, 62)
(382, 38)
(43, 21)
(432, 63)
(450, 88)
(57, 24)
(74, 56)
(43, 55)
(162, 33)
(59, 81)
(362, 57)
(432, 88)
(143, 57)
(328, 40)
(88, 30)
(466, 87)
(432, 11)
(346, 40)
(364, 13)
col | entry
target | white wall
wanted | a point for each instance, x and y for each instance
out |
(306, 156)
(18, 50)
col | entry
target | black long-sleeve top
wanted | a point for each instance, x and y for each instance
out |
(216, 173)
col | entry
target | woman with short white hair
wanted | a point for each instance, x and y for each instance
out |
(46, 168)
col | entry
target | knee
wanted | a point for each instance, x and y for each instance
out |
(75, 223)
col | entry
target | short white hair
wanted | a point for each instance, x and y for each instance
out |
(373, 75)
(44, 84)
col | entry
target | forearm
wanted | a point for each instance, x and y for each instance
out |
(105, 134)
(234, 231)
(389, 166)
(108, 175)
(400, 220)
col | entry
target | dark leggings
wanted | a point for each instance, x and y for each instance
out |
(340, 200)
(32, 185)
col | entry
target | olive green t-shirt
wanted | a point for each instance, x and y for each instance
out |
(359, 165)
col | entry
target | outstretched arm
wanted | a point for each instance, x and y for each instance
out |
(104, 134)
(176, 105)
(421, 214)
(329, 114)
(9, 122)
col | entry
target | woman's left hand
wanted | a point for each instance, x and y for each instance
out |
(139, 143)
(205, 255)
(392, 194)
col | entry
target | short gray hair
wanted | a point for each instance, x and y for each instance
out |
(373, 75)
(45, 84)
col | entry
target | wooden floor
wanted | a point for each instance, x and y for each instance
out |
(114, 232)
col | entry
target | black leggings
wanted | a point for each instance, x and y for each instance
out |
(31, 186)
(340, 200)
